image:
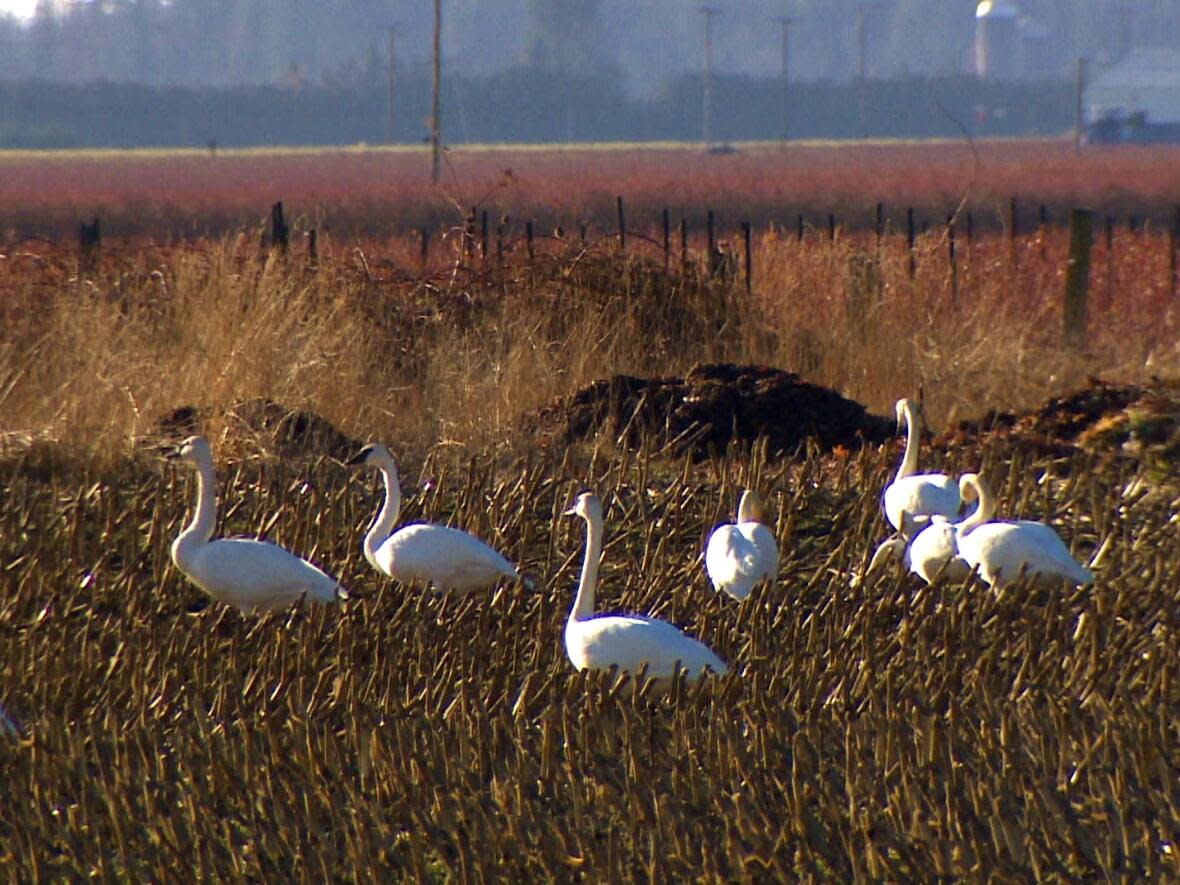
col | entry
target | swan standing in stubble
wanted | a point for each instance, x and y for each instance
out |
(448, 558)
(1001, 551)
(251, 575)
(739, 556)
(624, 641)
(912, 498)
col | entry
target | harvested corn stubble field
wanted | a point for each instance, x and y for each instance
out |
(868, 729)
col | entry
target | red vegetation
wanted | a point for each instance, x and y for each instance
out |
(375, 192)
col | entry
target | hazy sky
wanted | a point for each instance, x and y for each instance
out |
(23, 8)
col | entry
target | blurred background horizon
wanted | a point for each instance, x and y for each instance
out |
(561, 70)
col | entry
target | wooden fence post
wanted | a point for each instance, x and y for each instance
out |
(880, 224)
(909, 241)
(483, 235)
(528, 239)
(749, 257)
(622, 224)
(279, 232)
(831, 227)
(666, 221)
(710, 254)
(799, 228)
(312, 251)
(424, 246)
(1011, 225)
(499, 243)
(1173, 235)
(950, 245)
(683, 245)
(1077, 275)
(89, 237)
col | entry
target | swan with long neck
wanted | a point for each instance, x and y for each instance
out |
(739, 556)
(445, 557)
(1002, 551)
(934, 550)
(251, 575)
(628, 642)
(912, 498)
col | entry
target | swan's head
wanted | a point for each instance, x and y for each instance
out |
(893, 549)
(373, 455)
(903, 407)
(970, 487)
(587, 506)
(195, 450)
(750, 507)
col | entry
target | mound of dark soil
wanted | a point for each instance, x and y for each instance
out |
(712, 406)
(1133, 418)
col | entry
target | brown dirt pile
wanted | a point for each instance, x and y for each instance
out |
(712, 406)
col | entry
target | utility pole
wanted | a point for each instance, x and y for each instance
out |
(785, 24)
(1124, 30)
(392, 82)
(435, 110)
(1079, 107)
(862, 70)
(707, 110)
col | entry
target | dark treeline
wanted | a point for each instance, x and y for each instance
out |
(520, 105)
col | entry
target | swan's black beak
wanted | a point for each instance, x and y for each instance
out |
(360, 457)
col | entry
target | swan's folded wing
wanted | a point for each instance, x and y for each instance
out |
(732, 562)
(628, 642)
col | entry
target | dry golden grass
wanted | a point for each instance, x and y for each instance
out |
(93, 356)
(876, 731)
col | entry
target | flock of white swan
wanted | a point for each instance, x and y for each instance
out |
(940, 534)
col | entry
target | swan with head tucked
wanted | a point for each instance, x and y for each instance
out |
(251, 575)
(448, 558)
(934, 550)
(1002, 551)
(912, 498)
(739, 556)
(628, 642)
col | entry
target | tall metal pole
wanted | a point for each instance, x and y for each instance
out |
(435, 111)
(785, 23)
(389, 137)
(707, 110)
(862, 71)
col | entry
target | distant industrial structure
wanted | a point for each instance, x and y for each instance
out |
(1135, 100)
(1010, 45)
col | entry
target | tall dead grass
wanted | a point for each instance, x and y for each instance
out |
(94, 356)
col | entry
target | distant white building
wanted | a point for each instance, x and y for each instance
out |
(997, 40)
(1136, 99)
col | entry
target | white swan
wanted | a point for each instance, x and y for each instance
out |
(448, 558)
(252, 575)
(1001, 551)
(624, 641)
(912, 498)
(935, 549)
(739, 556)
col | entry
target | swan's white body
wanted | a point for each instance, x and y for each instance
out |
(251, 575)
(739, 556)
(447, 558)
(912, 498)
(932, 552)
(1002, 551)
(624, 641)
